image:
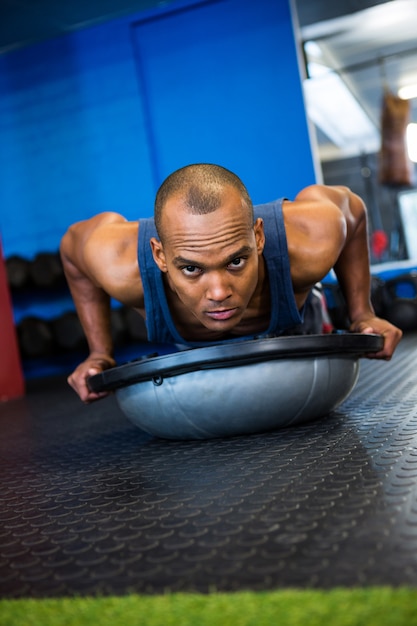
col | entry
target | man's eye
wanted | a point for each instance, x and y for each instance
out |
(190, 270)
(237, 262)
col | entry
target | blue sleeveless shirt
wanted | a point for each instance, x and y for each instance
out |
(284, 312)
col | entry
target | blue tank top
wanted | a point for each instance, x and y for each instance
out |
(284, 312)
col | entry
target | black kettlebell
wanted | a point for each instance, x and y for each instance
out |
(399, 310)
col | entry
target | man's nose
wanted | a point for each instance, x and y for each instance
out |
(218, 287)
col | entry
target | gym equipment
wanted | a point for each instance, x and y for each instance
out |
(395, 168)
(68, 332)
(336, 304)
(400, 301)
(403, 313)
(240, 387)
(17, 269)
(35, 337)
(393, 295)
(46, 270)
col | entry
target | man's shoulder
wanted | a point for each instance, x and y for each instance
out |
(112, 237)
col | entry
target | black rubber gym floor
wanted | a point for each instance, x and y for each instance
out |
(91, 505)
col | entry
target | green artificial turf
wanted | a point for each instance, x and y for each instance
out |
(338, 607)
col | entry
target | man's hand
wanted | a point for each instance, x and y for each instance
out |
(391, 334)
(93, 365)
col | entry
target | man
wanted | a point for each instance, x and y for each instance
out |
(213, 269)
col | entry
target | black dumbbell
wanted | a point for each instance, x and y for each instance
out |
(18, 274)
(402, 312)
(68, 332)
(35, 337)
(400, 301)
(46, 270)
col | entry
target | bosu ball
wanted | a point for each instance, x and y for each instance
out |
(237, 388)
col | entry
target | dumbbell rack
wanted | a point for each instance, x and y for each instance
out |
(49, 333)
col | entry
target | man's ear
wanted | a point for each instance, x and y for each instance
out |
(158, 254)
(258, 229)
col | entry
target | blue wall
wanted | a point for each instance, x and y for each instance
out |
(93, 121)
(73, 139)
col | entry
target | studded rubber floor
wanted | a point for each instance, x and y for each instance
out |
(91, 505)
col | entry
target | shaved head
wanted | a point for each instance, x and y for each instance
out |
(200, 188)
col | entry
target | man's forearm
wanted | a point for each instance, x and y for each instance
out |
(93, 308)
(94, 313)
(352, 268)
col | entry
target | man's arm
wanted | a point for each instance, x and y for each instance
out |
(352, 266)
(85, 252)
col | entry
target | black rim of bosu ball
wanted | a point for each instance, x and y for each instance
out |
(155, 367)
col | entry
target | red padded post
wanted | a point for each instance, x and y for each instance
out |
(11, 374)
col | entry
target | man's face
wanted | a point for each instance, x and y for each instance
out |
(211, 260)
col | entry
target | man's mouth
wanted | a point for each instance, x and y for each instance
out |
(221, 315)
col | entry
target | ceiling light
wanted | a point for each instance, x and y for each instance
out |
(312, 49)
(412, 142)
(407, 92)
